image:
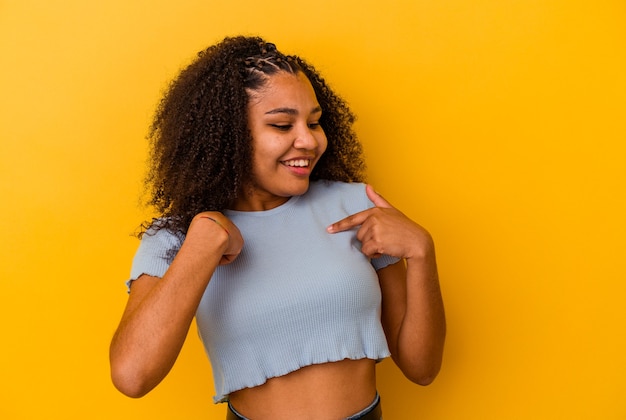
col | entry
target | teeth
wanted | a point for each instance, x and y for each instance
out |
(298, 162)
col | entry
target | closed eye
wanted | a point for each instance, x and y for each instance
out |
(281, 127)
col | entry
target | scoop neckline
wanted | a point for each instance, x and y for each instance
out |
(262, 213)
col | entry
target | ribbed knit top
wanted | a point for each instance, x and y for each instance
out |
(295, 296)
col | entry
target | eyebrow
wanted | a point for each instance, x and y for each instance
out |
(291, 111)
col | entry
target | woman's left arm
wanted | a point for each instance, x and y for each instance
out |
(412, 308)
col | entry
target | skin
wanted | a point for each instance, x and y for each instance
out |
(287, 141)
(283, 120)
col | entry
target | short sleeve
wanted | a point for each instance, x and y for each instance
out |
(383, 261)
(155, 253)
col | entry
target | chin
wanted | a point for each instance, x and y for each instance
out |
(299, 189)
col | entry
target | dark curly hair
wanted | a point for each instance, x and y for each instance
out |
(200, 142)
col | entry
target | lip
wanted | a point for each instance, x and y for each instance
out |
(299, 170)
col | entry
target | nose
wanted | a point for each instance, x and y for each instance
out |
(306, 139)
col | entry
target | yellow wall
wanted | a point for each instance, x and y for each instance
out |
(497, 124)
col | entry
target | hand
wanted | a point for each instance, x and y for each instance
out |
(385, 230)
(211, 227)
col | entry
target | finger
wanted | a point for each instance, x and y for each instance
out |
(376, 198)
(371, 249)
(348, 223)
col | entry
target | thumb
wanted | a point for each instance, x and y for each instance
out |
(376, 198)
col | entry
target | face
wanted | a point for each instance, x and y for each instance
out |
(287, 141)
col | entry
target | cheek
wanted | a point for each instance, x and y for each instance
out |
(323, 144)
(267, 153)
(321, 138)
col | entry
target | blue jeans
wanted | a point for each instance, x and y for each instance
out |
(371, 412)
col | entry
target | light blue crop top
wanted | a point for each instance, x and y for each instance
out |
(295, 296)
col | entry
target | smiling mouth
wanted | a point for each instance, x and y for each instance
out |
(297, 163)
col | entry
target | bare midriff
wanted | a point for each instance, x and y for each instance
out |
(324, 391)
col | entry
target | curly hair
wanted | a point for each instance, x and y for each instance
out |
(200, 142)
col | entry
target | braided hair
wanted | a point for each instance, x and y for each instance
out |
(200, 143)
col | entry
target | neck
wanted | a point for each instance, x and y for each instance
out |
(255, 203)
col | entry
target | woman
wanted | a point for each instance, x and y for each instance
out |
(300, 277)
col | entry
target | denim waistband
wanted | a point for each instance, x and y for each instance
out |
(371, 412)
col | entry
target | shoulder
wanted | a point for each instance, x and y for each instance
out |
(160, 240)
(337, 189)
(350, 196)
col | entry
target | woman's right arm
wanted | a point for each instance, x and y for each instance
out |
(159, 311)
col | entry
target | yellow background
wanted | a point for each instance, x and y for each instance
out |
(499, 125)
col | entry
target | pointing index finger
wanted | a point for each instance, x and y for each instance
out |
(347, 223)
